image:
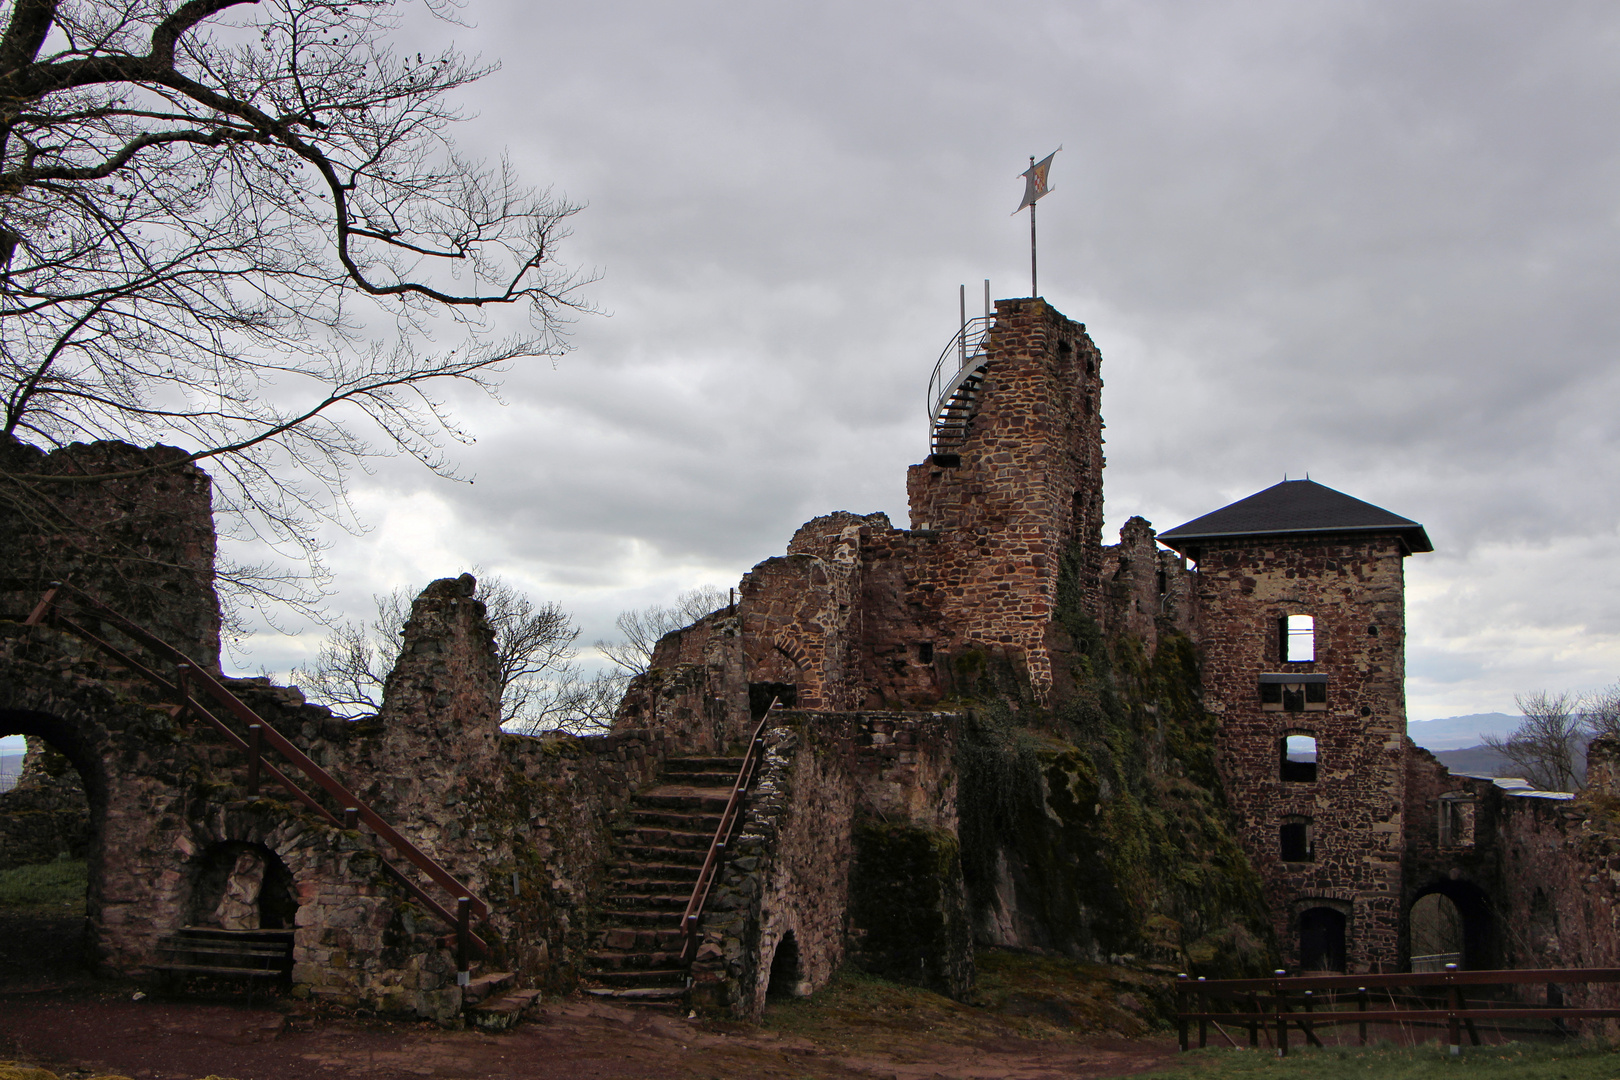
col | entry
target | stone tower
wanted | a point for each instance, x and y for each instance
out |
(1015, 482)
(1302, 601)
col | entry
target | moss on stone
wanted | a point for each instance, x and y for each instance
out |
(906, 900)
(1101, 816)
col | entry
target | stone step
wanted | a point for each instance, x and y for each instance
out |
(629, 939)
(641, 977)
(703, 764)
(710, 781)
(658, 836)
(609, 960)
(674, 819)
(490, 984)
(502, 1013)
(659, 871)
(651, 855)
(657, 998)
(625, 916)
(698, 800)
(641, 901)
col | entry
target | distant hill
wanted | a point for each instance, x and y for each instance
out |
(1477, 759)
(10, 766)
(1460, 732)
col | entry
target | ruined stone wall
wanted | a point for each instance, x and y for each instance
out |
(47, 815)
(1146, 590)
(1025, 486)
(523, 822)
(696, 691)
(1353, 587)
(791, 857)
(143, 543)
(787, 872)
(795, 612)
(1557, 903)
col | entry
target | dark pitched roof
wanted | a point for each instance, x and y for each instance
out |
(1291, 508)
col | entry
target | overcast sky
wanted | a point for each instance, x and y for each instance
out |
(1375, 243)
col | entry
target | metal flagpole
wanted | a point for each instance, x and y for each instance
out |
(1033, 291)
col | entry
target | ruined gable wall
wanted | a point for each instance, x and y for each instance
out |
(144, 544)
(1146, 590)
(795, 612)
(696, 691)
(1027, 486)
(1352, 587)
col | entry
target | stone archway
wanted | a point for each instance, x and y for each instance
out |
(55, 815)
(1456, 914)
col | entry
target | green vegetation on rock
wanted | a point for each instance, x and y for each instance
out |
(1101, 818)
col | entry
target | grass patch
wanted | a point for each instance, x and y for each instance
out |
(55, 888)
(1511, 1061)
(1017, 995)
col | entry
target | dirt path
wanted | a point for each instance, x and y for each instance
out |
(166, 1040)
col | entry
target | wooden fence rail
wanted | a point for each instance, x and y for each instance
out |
(1284, 1002)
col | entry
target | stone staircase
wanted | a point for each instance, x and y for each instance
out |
(635, 950)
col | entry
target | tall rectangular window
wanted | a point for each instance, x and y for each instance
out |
(1298, 638)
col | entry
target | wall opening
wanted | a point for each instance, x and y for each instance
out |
(1295, 842)
(1321, 939)
(761, 694)
(1450, 923)
(1298, 758)
(785, 973)
(1298, 633)
(241, 886)
(50, 849)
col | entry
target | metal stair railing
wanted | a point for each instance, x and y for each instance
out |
(969, 350)
(261, 731)
(722, 836)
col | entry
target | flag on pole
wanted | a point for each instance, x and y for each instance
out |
(1035, 184)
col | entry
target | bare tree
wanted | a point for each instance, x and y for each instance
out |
(643, 627)
(231, 226)
(1545, 745)
(1601, 711)
(542, 688)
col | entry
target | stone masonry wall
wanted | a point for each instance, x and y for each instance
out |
(1024, 487)
(790, 862)
(1558, 899)
(143, 543)
(1353, 587)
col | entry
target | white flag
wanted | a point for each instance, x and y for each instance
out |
(1035, 184)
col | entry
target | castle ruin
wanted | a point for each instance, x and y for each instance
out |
(1254, 696)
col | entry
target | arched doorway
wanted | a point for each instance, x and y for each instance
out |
(1450, 923)
(785, 973)
(242, 886)
(50, 851)
(1321, 939)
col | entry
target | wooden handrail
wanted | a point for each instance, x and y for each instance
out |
(722, 836)
(192, 673)
(1454, 1013)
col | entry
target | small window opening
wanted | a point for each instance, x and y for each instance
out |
(1164, 583)
(1456, 821)
(1296, 842)
(1298, 639)
(925, 652)
(1299, 758)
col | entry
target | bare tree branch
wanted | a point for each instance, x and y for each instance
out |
(1546, 744)
(643, 627)
(209, 211)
